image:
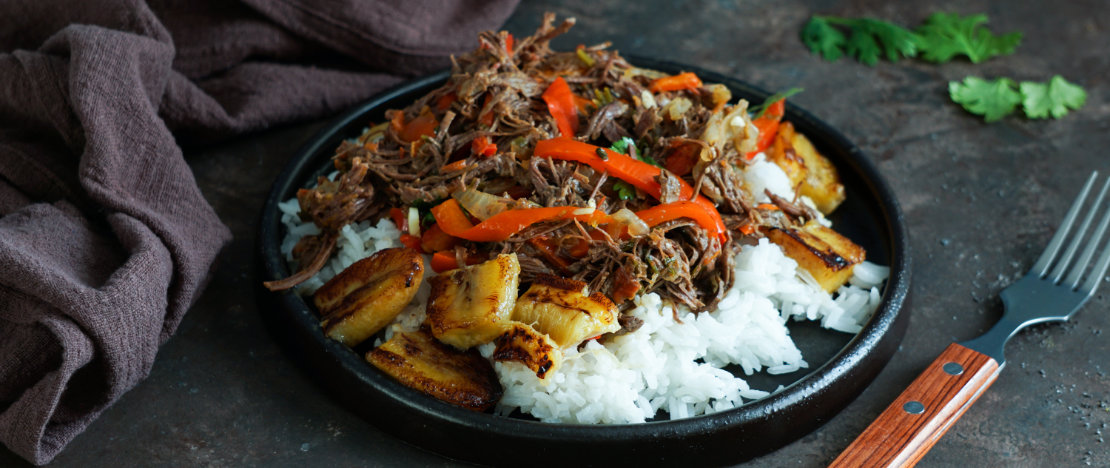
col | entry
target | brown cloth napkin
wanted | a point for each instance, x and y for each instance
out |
(105, 240)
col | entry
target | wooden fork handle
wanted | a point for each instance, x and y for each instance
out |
(909, 427)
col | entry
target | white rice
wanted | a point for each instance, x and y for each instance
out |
(665, 365)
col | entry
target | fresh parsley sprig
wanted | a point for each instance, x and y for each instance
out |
(995, 99)
(868, 39)
(941, 38)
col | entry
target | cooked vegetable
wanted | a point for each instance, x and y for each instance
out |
(471, 305)
(540, 154)
(524, 344)
(680, 209)
(781, 96)
(565, 310)
(482, 146)
(503, 225)
(679, 82)
(419, 361)
(560, 102)
(768, 125)
(365, 297)
(820, 182)
(637, 173)
(828, 256)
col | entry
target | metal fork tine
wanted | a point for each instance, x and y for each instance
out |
(1041, 267)
(1093, 242)
(1099, 270)
(1073, 246)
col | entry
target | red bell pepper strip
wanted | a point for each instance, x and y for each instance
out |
(482, 146)
(633, 171)
(560, 102)
(682, 159)
(679, 209)
(450, 217)
(768, 125)
(399, 219)
(674, 83)
(443, 261)
(444, 102)
(423, 125)
(509, 43)
(435, 240)
(410, 241)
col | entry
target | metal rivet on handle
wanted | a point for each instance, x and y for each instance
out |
(952, 368)
(914, 407)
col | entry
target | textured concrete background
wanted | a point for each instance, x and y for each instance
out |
(981, 201)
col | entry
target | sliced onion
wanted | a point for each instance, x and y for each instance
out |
(414, 221)
(481, 204)
(677, 108)
(636, 226)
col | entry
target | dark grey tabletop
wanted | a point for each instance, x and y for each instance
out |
(981, 201)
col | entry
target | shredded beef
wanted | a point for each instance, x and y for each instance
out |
(495, 95)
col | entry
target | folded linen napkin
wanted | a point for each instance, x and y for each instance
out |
(105, 240)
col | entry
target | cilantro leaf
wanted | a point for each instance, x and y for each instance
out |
(991, 99)
(863, 47)
(622, 146)
(869, 39)
(823, 39)
(946, 35)
(1040, 100)
(897, 41)
(625, 191)
(648, 159)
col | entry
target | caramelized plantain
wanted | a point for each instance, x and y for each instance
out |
(828, 256)
(369, 294)
(523, 344)
(822, 183)
(470, 306)
(419, 361)
(564, 310)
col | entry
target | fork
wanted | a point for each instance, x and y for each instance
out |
(1053, 290)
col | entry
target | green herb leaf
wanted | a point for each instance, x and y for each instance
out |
(759, 110)
(946, 35)
(991, 99)
(823, 39)
(1041, 100)
(648, 159)
(869, 39)
(624, 190)
(621, 146)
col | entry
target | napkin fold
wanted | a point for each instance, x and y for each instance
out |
(105, 239)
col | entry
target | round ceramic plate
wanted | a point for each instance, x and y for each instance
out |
(841, 365)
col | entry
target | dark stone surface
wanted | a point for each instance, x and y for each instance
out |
(981, 201)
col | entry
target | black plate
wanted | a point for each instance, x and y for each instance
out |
(841, 365)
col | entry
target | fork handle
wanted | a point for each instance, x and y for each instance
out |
(909, 427)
